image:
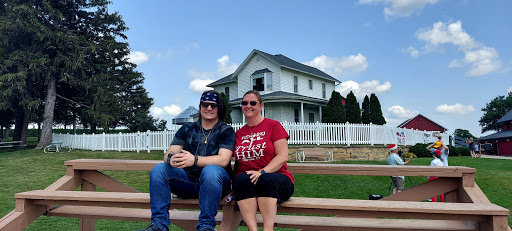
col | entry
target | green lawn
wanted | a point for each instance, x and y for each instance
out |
(29, 169)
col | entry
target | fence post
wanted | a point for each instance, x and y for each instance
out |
(148, 140)
(103, 137)
(119, 142)
(348, 130)
(317, 132)
(83, 140)
(372, 130)
(137, 141)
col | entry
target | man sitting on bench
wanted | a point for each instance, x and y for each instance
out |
(197, 165)
(394, 159)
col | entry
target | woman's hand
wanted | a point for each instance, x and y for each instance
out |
(253, 175)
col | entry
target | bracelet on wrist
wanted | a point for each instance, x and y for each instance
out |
(169, 158)
(195, 160)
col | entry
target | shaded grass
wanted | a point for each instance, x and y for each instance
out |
(29, 169)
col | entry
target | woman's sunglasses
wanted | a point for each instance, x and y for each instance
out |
(245, 103)
(206, 104)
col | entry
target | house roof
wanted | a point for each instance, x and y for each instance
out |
(506, 118)
(501, 135)
(223, 80)
(409, 120)
(286, 96)
(280, 60)
(284, 61)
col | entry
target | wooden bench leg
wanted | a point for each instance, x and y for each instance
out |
(230, 219)
(87, 224)
(495, 223)
(25, 213)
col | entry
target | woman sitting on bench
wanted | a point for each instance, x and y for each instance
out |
(262, 177)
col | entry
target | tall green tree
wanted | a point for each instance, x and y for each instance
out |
(365, 117)
(376, 116)
(463, 133)
(493, 111)
(334, 112)
(352, 108)
(227, 119)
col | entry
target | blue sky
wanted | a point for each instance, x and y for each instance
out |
(444, 59)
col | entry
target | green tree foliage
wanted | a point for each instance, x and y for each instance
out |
(352, 108)
(72, 49)
(463, 133)
(365, 117)
(493, 111)
(376, 116)
(334, 112)
(227, 119)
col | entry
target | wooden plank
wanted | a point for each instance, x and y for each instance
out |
(476, 194)
(370, 224)
(295, 168)
(87, 224)
(283, 221)
(106, 182)
(426, 190)
(66, 183)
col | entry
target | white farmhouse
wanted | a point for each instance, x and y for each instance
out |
(291, 91)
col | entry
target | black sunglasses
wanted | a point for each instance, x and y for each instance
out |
(206, 104)
(245, 103)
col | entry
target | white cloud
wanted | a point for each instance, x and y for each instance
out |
(398, 111)
(481, 59)
(224, 67)
(401, 8)
(509, 89)
(337, 66)
(199, 85)
(161, 113)
(365, 88)
(442, 33)
(456, 109)
(413, 52)
(138, 57)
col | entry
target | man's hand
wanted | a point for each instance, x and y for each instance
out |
(182, 160)
(411, 156)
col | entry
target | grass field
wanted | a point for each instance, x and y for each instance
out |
(29, 169)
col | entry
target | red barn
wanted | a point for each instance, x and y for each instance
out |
(422, 123)
(502, 140)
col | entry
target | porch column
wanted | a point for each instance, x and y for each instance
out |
(320, 113)
(302, 111)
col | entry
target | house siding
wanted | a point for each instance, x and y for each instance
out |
(288, 84)
(257, 62)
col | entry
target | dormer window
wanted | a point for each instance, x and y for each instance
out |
(262, 80)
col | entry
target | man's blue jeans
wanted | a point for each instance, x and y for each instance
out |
(213, 183)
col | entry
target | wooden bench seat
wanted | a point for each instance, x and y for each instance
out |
(314, 155)
(468, 209)
(282, 221)
(461, 215)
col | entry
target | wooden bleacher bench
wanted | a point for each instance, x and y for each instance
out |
(82, 204)
(13, 144)
(402, 211)
(314, 155)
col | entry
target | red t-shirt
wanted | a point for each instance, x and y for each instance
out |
(254, 147)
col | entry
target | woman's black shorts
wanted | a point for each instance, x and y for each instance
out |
(275, 185)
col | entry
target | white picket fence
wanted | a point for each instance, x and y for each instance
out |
(307, 133)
